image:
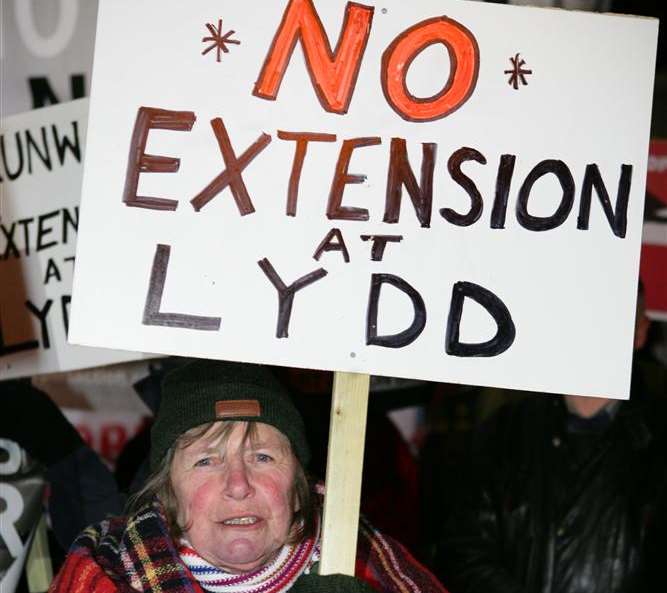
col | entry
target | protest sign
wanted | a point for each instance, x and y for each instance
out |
(107, 433)
(22, 486)
(46, 52)
(40, 178)
(440, 190)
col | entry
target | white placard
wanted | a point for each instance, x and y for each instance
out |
(40, 171)
(543, 108)
(46, 52)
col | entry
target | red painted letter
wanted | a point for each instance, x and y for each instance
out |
(333, 73)
(464, 67)
(149, 118)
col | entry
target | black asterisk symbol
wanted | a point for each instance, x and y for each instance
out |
(518, 72)
(218, 41)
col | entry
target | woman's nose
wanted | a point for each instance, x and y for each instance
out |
(238, 481)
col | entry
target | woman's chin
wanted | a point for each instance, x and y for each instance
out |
(239, 556)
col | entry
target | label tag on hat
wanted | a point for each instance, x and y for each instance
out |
(235, 408)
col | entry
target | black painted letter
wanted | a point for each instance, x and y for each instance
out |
(476, 203)
(152, 313)
(538, 223)
(286, 293)
(505, 334)
(408, 335)
(618, 219)
(503, 182)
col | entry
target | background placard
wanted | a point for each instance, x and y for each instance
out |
(42, 155)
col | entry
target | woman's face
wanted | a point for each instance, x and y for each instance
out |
(236, 499)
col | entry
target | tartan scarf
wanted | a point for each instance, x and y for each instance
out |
(126, 555)
(138, 555)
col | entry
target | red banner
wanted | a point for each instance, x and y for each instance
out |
(654, 247)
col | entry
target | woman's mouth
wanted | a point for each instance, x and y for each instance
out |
(241, 521)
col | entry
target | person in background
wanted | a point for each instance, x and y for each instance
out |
(82, 490)
(568, 495)
(228, 506)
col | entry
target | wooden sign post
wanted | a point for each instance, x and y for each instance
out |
(39, 569)
(345, 460)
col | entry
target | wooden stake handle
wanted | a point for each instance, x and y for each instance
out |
(345, 458)
(38, 565)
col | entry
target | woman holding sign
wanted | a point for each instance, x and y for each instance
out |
(228, 507)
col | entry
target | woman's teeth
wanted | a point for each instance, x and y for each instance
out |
(241, 521)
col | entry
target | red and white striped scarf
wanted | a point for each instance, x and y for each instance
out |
(279, 575)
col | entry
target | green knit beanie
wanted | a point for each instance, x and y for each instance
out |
(204, 391)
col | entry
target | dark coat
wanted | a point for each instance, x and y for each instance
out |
(560, 507)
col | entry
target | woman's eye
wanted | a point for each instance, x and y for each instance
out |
(263, 457)
(206, 461)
